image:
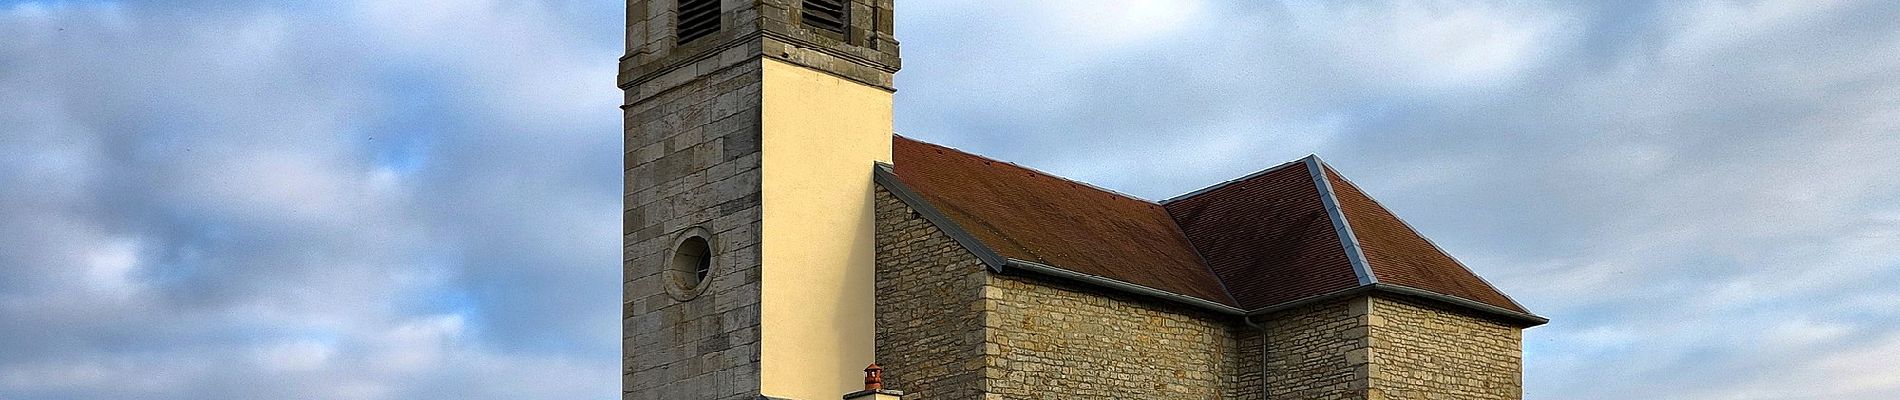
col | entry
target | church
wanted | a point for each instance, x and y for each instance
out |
(779, 237)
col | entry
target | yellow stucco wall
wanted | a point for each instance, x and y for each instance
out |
(820, 136)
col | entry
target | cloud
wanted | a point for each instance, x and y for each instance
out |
(313, 201)
(1699, 194)
(1431, 45)
(415, 199)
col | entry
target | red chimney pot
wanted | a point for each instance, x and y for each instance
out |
(874, 377)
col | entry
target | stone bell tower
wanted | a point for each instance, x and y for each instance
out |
(752, 127)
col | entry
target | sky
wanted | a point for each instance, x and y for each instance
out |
(416, 199)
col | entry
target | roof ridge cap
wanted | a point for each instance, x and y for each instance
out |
(1231, 182)
(1355, 253)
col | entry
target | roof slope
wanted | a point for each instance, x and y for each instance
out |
(1397, 254)
(1027, 215)
(1294, 232)
(1268, 236)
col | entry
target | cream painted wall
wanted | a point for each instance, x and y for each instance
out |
(820, 136)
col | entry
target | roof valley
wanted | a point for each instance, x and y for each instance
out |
(1182, 233)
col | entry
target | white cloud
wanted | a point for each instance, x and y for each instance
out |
(302, 355)
(1433, 44)
(1698, 193)
(1116, 24)
(113, 265)
(214, 181)
(418, 345)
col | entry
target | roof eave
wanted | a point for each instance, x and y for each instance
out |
(1360, 265)
(1523, 319)
(886, 177)
(1111, 283)
(1519, 319)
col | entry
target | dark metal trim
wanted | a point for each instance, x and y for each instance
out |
(1039, 268)
(887, 178)
(1350, 242)
(1309, 301)
(1231, 182)
(1266, 347)
(1525, 319)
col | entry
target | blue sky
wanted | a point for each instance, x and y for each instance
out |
(397, 199)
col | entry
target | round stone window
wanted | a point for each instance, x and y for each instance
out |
(690, 265)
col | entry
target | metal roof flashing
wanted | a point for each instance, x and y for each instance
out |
(1230, 182)
(1354, 254)
(886, 177)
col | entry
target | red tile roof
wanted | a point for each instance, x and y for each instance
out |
(1268, 236)
(1398, 255)
(1269, 239)
(1027, 215)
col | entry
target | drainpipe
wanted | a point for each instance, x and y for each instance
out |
(1265, 344)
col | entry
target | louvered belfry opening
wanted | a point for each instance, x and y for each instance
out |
(826, 14)
(697, 18)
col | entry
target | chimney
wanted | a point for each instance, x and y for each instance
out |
(874, 386)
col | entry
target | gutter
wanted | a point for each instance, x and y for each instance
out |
(1266, 347)
(1527, 320)
(1042, 269)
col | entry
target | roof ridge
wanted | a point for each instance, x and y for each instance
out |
(1036, 171)
(1231, 182)
(1355, 252)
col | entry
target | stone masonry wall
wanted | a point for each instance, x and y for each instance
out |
(949, 329)
(929, 328)
(1311, 352)
(1048, 340)
(1424, 351)
(1246, 360)
(693, 161)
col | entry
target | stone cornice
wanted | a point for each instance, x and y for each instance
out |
(632, 75)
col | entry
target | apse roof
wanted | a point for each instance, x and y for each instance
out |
(1283, 236)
